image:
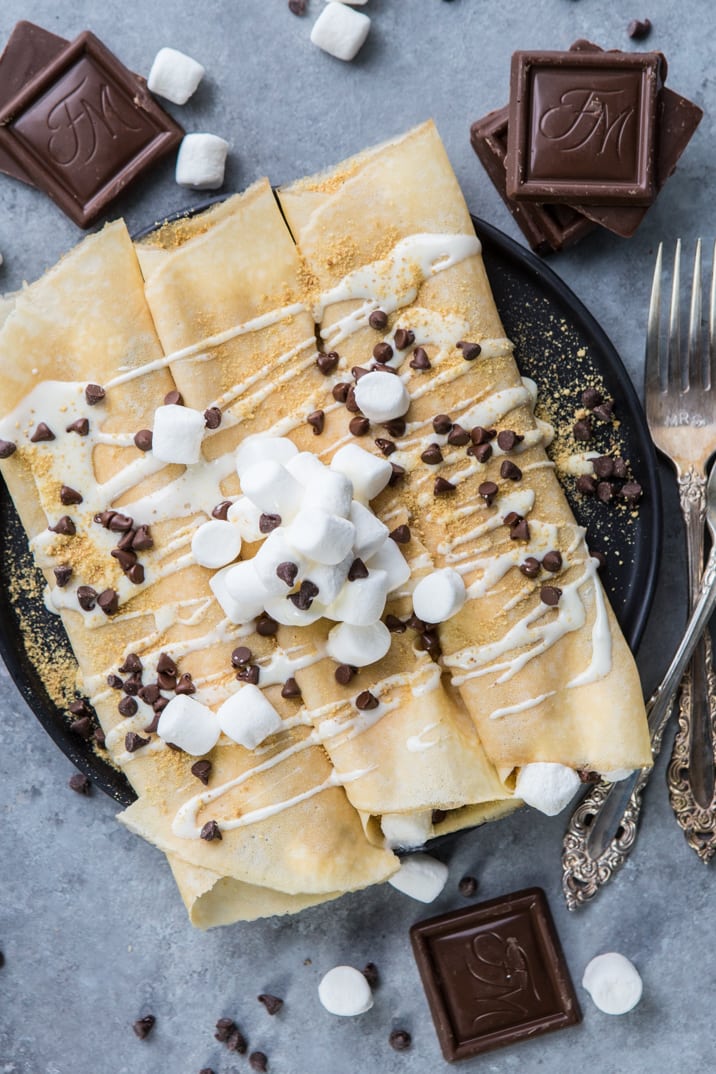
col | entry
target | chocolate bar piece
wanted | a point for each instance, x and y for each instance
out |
(582, 127)
(494, 974)
(84, 127)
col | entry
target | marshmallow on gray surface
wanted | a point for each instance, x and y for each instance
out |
(216, 543)
(325, 538)
(174, 75)
(361, 602)
(271, 487)
(345, 991)
(248, 717)
(371, 533)
(390, 559)
(177, 435)
(358, 645)
(328, 577)
(547, 786)
(407, 830)
(439, 595)
(201, 161)
(340, 31)
(331, 493)
(247, 594)
(368, 473)
(245, 516)
(421, 877)
(259, 448)
(189, 724)
(382, 396)
(613, 982)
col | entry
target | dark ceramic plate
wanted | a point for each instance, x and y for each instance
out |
(558, 344)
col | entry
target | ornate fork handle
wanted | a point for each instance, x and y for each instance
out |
(603, 828)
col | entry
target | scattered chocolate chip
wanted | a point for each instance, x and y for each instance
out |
(587, 484)
(638, 29)
(133, 684)
(212, 417)
(357, 570)
(591, 398)
(152, 726)
(307, 592)
(297, 7)
(80, 707)
(272, 1003)
(520, 531)
(386, 446)
(94, 394)
(149, 693)
(317, 421)
(259, 1062)
(81, 427)
(114, 682)
(420, 359)
(509, 471)
(631, 492)
(166, 665)
(290, 688)
(359, 371)
(236, 1041)
(64, 526)
(442, 424)
(550, 594)
(82, 727)
(240, 656)
(404, 338)
(249, 673)
(605, 411)
(432, 455)
(266, 626)
(132, 663)
(400, 1040)
(120, 523)
(351, 404)
(104, 518)
(269, 523)
(62, 574)
(166, 680)
(41, 433)
(552, 562)
(327, 362)
(396, 426)
(511, 518)
(174, 398)
(443, 487)
(401, 534)
(530, 567)
(620, 467)
(287, 572)
(378, 320)
(470, 351)
(582, 429)
(508, 439)
(480, 435)
(340, 391)
(221, 510)
(458, 436)
(136, 574)
(128, 706)
(603, 466)
(108, 601)
(160, 704)
(370, 972)
(202, 771)
(185, 685)
(482, 452)
(125, 559)
(81, 783)
(211, 831)
(383, 352)
(394, 625)
(366, 700)
(134, 742)
(7, 448)
(397, 474)
(86, 597)
(605, 491)
(429, 642)
(142, 539)
(488, 490)
(416, 624)
(143, 439)
(143, 1026)
(467, 886)
(208, 1070)
(99, 738)
(224, 1028)
(438, 816)
(125, 541)
(358, 426)
(344, 673)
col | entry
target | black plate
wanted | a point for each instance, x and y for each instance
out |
(558, 344)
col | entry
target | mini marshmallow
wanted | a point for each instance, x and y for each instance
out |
(174, 75)
(332, 494)
(407, 830)
(216, 543)
(201, 161)
(361, 602)
(245, 516)
(177, 435)
(262, 448)
(325, 538)
(368, 473)
(274, 551)
(382, 396)
(371, 533)
(439, 595)
(421, 877)
(358, 645)
(390, 559)
(248, 717)
(340, 31)
(305, 467)
(345, 991)
(613, 982)
(232, 609)
(270, 487)
(284, 611)
(243, 586)
(190, 725)
(546, 786)
(328, 577)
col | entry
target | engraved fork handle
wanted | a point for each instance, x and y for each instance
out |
(690, 776)
(603, 827)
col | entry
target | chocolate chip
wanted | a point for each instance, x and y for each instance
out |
(221, 510)
(488, 490)
(394, 625)
(530, 567)
(552, 562)
(508, 439)
(185, 685)
(99, 738)
(482, 452)
(603, 466)
(224, 1028)
(404, 338)
(104, 518)
(520, 531)
(134, 742)
(132, 663)
(86, 597)
(467, 886)
(591, 398)
(211, 831)
(443, 487)
(142, 539)
(272, 1003)
(143, 439)
(358, 426)
(136, 574)
(605, 491)
(430, 643)
(64, 526)
(287, 572)
(396, 475)
(7, 448)
(125, 559)
(631, 492)
(250, 673)
(290, 688)
(94, 394)
(383, 352)
(327, 362)
(432, 455)
(149, 693)
(416, 624)
(125, 541)
(41, 433)
(236, 1041)
(305, 596)
(357, 569)
(108, 600)
(378, 320)
(638, 29)
(480, 435)
(212, 417)
(366, 700)
(62, 574)
(81, 427)
(587, 484)
(442, 424)
(458, 436)
(166, 680)
(151, 728)
(401, 534)
(317, 420)
(620, 467)
(269, 523)
(82, 727)
(400, 1040)
(160, 704)
(605, 411)
(582, 429)
(420, 359)
(114, 682)
(351, 404)
(166, 665)
(297, 7)
(340, 391)
(470, 351)
(259, 1062)
(370, 972)
(266, 626)
(240, 656)
(202, 771)
(359, 371)
(379, 367)
(344, 673)
(143, 1026)
(438, 816)
(396, 426)
(511, 518)
(174, 398)
(133, 684)
(550, 594)
(509, 471)
(120, 523)
(80, 783)
(128, 706)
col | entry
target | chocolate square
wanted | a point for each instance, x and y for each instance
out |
(84, 127)
(494, 974)
(582, 127)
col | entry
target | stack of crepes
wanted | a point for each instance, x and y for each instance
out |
(231, 309)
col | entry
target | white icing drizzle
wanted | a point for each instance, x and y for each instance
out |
(415, 743)
(521, 706)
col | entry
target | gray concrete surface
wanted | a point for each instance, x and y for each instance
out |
(90, 924)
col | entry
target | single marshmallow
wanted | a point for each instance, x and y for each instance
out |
(273, 552)
(358, 646)
(246, 591)
(390, 559)
(421, 877)
(284, 611)
(360, 602)
(270, 487)
(332, 494)
(201, 161)
(345, 991)
(232, 609)
(371, 533)
(439, 595)
(305, 467)
(407, 830)
(340, 31)
(613, 982)
(248, 717)
(189, 724)
(382, 396)
(547, 786)
(260, 448)
(245, 516)
(174, 75)
(216, 543)
(177, 434)
(369, 474)
(325, 538)
(617, 774)
(328, 577)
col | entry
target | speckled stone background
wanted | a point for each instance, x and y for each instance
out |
(91, 927)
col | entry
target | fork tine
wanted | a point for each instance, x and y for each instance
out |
(694, 342)
(653, 379)
(676, 371)
(711, 366)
